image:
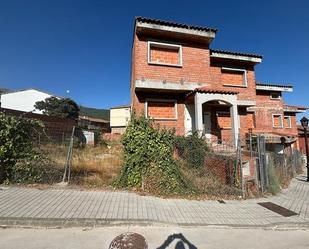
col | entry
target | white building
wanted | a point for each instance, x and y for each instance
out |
(119, 118)
(23, 100)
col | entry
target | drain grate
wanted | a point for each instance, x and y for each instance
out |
(277, 209)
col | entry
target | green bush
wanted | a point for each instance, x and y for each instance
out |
(148, 158)
(98, 139)
(192, 149)
(274, 182)
(16, 142)
(38, 169)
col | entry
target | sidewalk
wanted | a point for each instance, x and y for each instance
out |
(27, 206)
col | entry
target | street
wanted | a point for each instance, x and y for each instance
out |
(157, 237)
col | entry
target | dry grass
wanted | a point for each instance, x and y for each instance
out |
(207, 184)
(91, 166)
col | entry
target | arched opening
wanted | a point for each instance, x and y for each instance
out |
(218, 122)
(214, 115)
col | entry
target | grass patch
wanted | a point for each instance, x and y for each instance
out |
(91, 166)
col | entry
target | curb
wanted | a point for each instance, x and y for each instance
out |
(9, 222)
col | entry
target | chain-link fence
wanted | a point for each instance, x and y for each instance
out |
(274, 168)
(64, 153)
(94, 164)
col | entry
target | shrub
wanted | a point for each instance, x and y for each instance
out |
(37, 169)
(148, 158)
(98, 139)
(16, 142)
(192, 149)
(274, 182)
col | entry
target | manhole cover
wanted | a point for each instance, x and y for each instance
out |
(129, 241)
(277, 209)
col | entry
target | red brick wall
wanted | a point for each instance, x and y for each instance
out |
(178, 124)
(301, 144)
(197, 67)
(161, 110)
(232, 77)
(265, 109)
(224, 121)
(219, 78)
(164, 55)
(287, 121)
(195, 64)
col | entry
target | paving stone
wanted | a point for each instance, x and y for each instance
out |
(62, 206)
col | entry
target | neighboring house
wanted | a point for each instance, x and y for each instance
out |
(119, 118)
(92, 123)
(180, 82)
(301, 139)
(23, 100)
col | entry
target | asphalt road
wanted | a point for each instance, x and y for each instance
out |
(197, 237)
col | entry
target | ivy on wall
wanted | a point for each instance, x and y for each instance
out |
(148, 159)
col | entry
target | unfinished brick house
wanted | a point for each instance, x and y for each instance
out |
(180, 82)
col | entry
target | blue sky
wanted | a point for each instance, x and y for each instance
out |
(85, 45)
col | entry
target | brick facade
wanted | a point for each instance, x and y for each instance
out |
(199, 67)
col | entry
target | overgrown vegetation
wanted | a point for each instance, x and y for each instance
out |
(38, 169)
(281, 169)
(91, 166)
(192, 149)
(150, 163)
(148, 159)
(16, 143)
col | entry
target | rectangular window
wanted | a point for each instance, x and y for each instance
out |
(277, 121)
(161, 109)
(234, 77)
(224, 120)
(275, 95)
(287, 122)
(164, 54)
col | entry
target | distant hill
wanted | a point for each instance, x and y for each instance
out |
(94, 112)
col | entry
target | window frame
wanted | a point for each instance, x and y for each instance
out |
(162, 100)
(277, 127)
(253, 118)
(168, 46)
(245, 76)
(290, 122)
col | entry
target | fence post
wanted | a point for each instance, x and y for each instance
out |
(240, 165)
(250, 142)
(67, 169)
(262, 162)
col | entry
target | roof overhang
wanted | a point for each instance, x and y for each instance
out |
(270, 87)
(272, 138)
(236, 56)
(162, 29)
(148, 85)
(294, 109)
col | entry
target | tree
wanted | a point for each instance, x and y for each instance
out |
(64, 108)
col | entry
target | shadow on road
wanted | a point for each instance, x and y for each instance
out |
(182, 241)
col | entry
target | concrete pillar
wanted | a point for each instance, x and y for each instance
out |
(198, 114)
(235, 123)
